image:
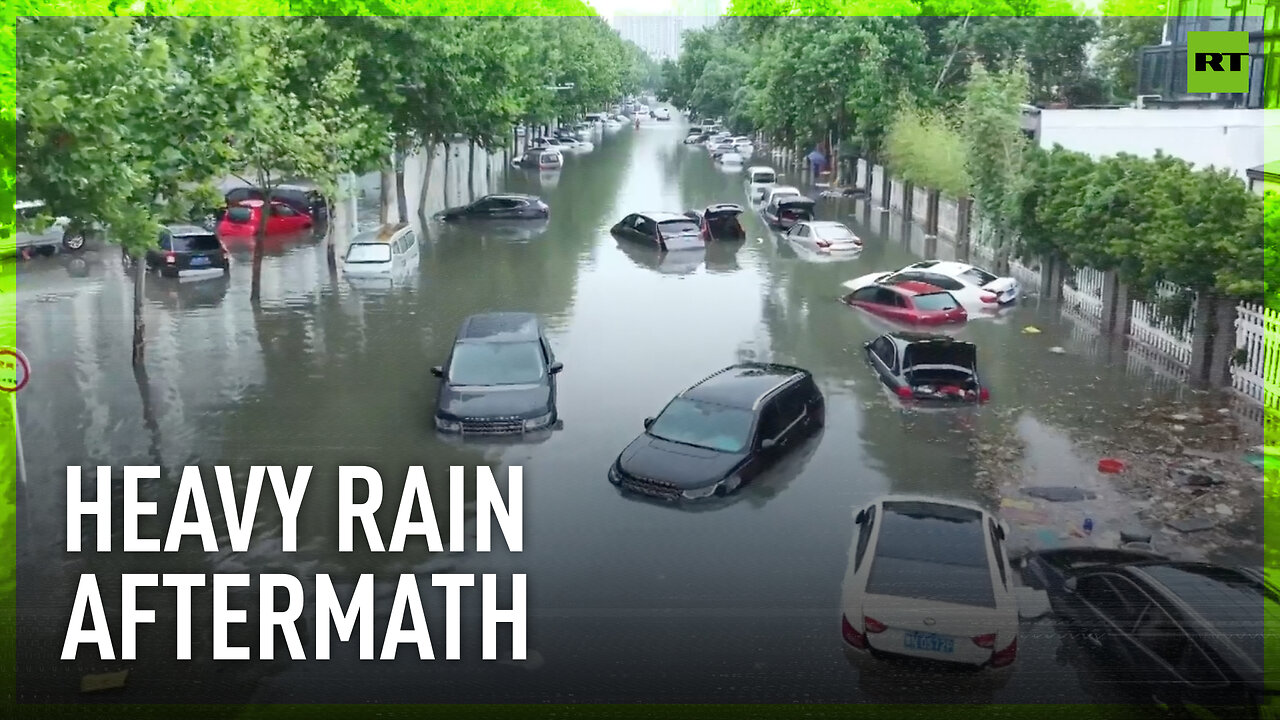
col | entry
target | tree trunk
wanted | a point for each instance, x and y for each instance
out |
(402, 202)
(471, 169)
(1202, 338)
(329, 250)
(139, 323)
(445, 181)
(259, 249)
(149, 419)
(1224, 342)
(426, 181)
(384, 195)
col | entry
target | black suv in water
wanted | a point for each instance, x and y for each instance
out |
(187, 250)
(722, 433)
(499, 379)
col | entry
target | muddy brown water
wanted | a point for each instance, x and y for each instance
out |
(628, 600)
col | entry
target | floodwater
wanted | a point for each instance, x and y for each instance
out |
(628, 600)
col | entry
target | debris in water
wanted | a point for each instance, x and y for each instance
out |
(1192, 524)
(1199, 479)
(1135, 535)
(1057, 350)
(1059, 494)
(1223, 509)
(1031, 330)
(1110, 465)
(1020, 504)
(103, 681)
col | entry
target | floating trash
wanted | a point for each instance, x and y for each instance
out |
(1110, 465)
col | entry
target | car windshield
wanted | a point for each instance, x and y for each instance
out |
(673, 228)
(935, 301)
(196, 243)
(763, 178)
(704, 425)
(978, 276)
(369, 253)
(928, 551)
(240, 214)
(496, 363)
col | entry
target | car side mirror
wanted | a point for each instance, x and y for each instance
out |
(861, 517)
(437, 371)
(1070, 585)
(648, 423)
(555, 367)
(768, 444)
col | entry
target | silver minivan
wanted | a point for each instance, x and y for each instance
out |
(388, 250)
(58, 234)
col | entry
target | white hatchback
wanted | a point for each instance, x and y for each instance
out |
(929, 579)
(1004, 288)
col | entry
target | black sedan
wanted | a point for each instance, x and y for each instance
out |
(499, 207)
(1184, 633)
(721, 433)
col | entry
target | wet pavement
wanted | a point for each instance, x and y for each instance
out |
(628, 600)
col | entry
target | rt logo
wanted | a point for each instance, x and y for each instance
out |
(1217, 62)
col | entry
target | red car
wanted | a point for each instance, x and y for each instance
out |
(916, 303)
(242, 219)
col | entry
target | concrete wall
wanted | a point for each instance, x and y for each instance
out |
(1219, 137)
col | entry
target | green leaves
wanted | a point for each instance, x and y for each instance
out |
(926, 149)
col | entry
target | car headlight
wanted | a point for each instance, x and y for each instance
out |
(700, 493)
(538, 422)
(448, 425)
(615, 477)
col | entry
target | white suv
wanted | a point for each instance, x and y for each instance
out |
(929, 579)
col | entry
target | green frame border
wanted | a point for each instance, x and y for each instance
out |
(8, 333)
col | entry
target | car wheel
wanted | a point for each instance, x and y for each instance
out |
(73, 241)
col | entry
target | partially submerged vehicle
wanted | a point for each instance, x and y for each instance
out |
(545, 158)
(925, 367)
(384, 251)
(720, 222)
(914, 303)
(783, 211)
(662, 230)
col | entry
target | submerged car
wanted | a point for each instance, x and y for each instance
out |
(722, 433)
(303, 196)
(500, 378)
(719, 222)
(545, 158)
(1183, 633)
(783, 211)
(661, 230)
(973, 297)
(696, 136)
(976, 280)
(188, 251)
(59, 232)
(929, 580)
(243, 219)
(914, 303)
(924, 367)
(824, 236)
(510, 206)
(388, 250)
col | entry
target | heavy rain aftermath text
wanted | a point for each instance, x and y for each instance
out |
(192, 522)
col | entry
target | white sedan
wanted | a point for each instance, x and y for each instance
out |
(975, 298)
(930, 579)
(824, 237)
(1004, 288)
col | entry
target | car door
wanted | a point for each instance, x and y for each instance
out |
(883, 356)
(1156, 646)
(799, 234)
(771, 427)
(1105, 609)
(155, 253)
(284, 219)
(647, 231)
(792, 407)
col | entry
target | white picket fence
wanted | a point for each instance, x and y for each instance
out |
(1258, 336)
(1154, 329)
(1083, 294)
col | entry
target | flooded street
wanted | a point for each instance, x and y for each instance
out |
(737, 601)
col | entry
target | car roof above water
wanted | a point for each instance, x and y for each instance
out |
(382, 234)
(742, 385)
(500, 327)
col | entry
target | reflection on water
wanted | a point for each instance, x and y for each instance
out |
(629, 600)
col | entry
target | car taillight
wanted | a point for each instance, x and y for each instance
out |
(990, 299)
(851, 635)
(872, 625)
(170, 257)
(984, 395)
(985, 641)
(906, 392)
(1005, 656)
(823, 244)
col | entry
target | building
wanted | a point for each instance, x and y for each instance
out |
(661, 35)
(1222, 130)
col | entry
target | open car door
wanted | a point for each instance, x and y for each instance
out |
(720, 222)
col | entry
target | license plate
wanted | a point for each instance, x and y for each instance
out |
(928, 642)
(199, 262)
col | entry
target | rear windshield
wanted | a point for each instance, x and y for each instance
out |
(932, 552)
(935, 301)
(763, 177)
(671, 228)
(550, 157)
(369, 253)
(196, 243)
(240, 214)
(978, 276)
(836, 232)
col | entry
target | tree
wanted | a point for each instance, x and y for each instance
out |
(1120, 40)
(995, 148)
(924, 148)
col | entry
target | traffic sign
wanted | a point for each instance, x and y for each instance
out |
(15, 371)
